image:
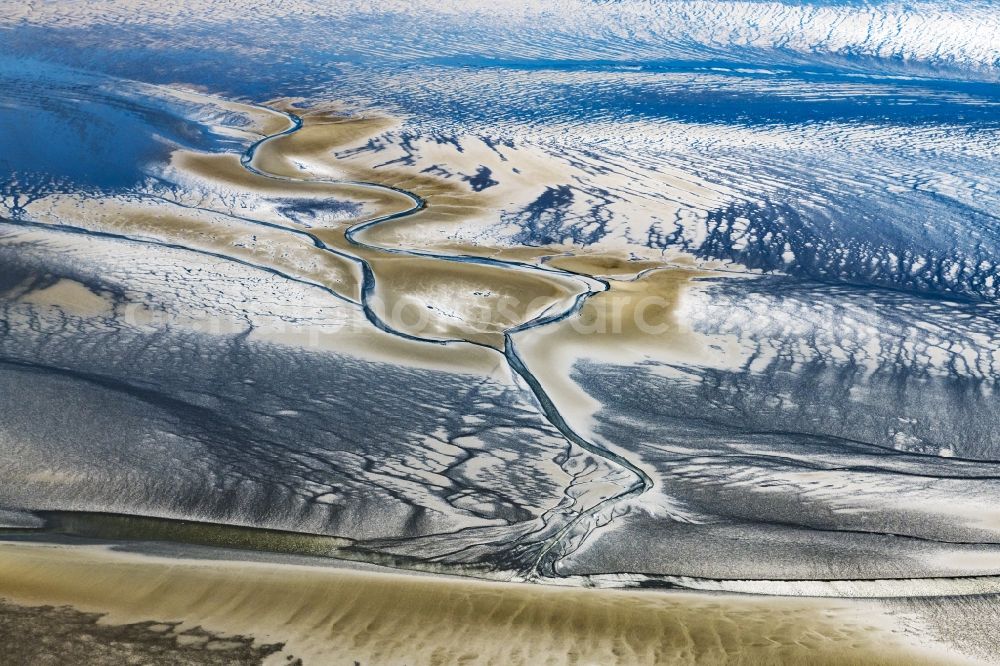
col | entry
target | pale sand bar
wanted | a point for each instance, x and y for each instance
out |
(328, 615)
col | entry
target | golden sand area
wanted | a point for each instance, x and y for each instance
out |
(326, 615)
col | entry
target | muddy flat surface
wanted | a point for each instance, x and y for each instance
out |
(58, 635)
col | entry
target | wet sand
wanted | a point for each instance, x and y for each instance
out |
(327, 615)
(289, 251)
(444, 300)
(635, 319)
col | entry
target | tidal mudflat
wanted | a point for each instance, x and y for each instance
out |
(651, 332)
